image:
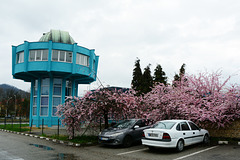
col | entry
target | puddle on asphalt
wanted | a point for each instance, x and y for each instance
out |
(60, 156)
(42, 146)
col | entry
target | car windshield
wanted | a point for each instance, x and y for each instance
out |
(164, 125)
(125, 124)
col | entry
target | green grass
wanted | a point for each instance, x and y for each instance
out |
(77, 139)
(15, 127)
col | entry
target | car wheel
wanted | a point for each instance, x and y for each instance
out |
(206, 139)
(127, 141)
(180, 145)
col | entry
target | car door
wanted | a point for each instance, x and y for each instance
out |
(197, 135)
(186, 133)
(138, 131)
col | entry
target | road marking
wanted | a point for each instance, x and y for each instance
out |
(132, 151)
(195, 153)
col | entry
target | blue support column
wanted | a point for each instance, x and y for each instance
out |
(49, 67)
(50, 102)
(38, 102)
(13, 59)
(63, 89)
(31, 103)
(74, 54)
(91, 62)
(26, 53)
(73, 87)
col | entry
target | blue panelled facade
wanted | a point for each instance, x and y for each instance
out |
(54, 69)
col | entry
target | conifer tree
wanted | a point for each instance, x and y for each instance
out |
(137, 77)
(182, 71)
(159, 75)
(178, 77)
(147, 80)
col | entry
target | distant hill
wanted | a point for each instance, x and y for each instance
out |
(4, 88)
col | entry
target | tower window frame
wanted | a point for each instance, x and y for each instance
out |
(68, 88)
(57, 96)
(35, 91)
(82, 59)
(61, 56)
(44, 101)
(20, 57)
(38, 55)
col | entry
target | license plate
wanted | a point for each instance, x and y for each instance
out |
(152, 135)
(104, 139)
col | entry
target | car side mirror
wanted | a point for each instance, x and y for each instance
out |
(136, 127)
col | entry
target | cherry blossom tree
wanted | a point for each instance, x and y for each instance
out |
(72, 113)
(202, 98)
(96, 104)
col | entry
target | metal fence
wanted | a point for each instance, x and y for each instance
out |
(11, 121)
(57, 130)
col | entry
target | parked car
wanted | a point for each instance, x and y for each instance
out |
(174, 134)
(123, 133)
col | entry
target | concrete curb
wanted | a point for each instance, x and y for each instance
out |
(227, 142)
(67, 143)
(223, 142)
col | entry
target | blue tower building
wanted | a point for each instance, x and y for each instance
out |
(54, 65)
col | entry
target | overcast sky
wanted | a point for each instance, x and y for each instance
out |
(203, 34)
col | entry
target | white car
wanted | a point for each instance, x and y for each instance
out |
(174, 134)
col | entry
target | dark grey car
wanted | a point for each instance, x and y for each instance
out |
(123, 133)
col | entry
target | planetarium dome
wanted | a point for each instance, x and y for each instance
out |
(57, 36)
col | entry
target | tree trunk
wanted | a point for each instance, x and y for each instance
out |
(106, 119)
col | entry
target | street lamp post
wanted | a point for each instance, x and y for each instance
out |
(7, 106)
(15, 106)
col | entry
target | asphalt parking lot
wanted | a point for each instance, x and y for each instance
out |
(196, 152)
(19, 145)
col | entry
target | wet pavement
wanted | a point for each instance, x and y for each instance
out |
(42, 146)
(14, 146)
(19, 147)
(59, 156)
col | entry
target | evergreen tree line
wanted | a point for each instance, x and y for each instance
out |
(143, 82)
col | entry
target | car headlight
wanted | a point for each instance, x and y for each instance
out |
(116, 134)
(100, 133)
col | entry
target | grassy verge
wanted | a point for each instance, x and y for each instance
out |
(15, 127)
(77, 139)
